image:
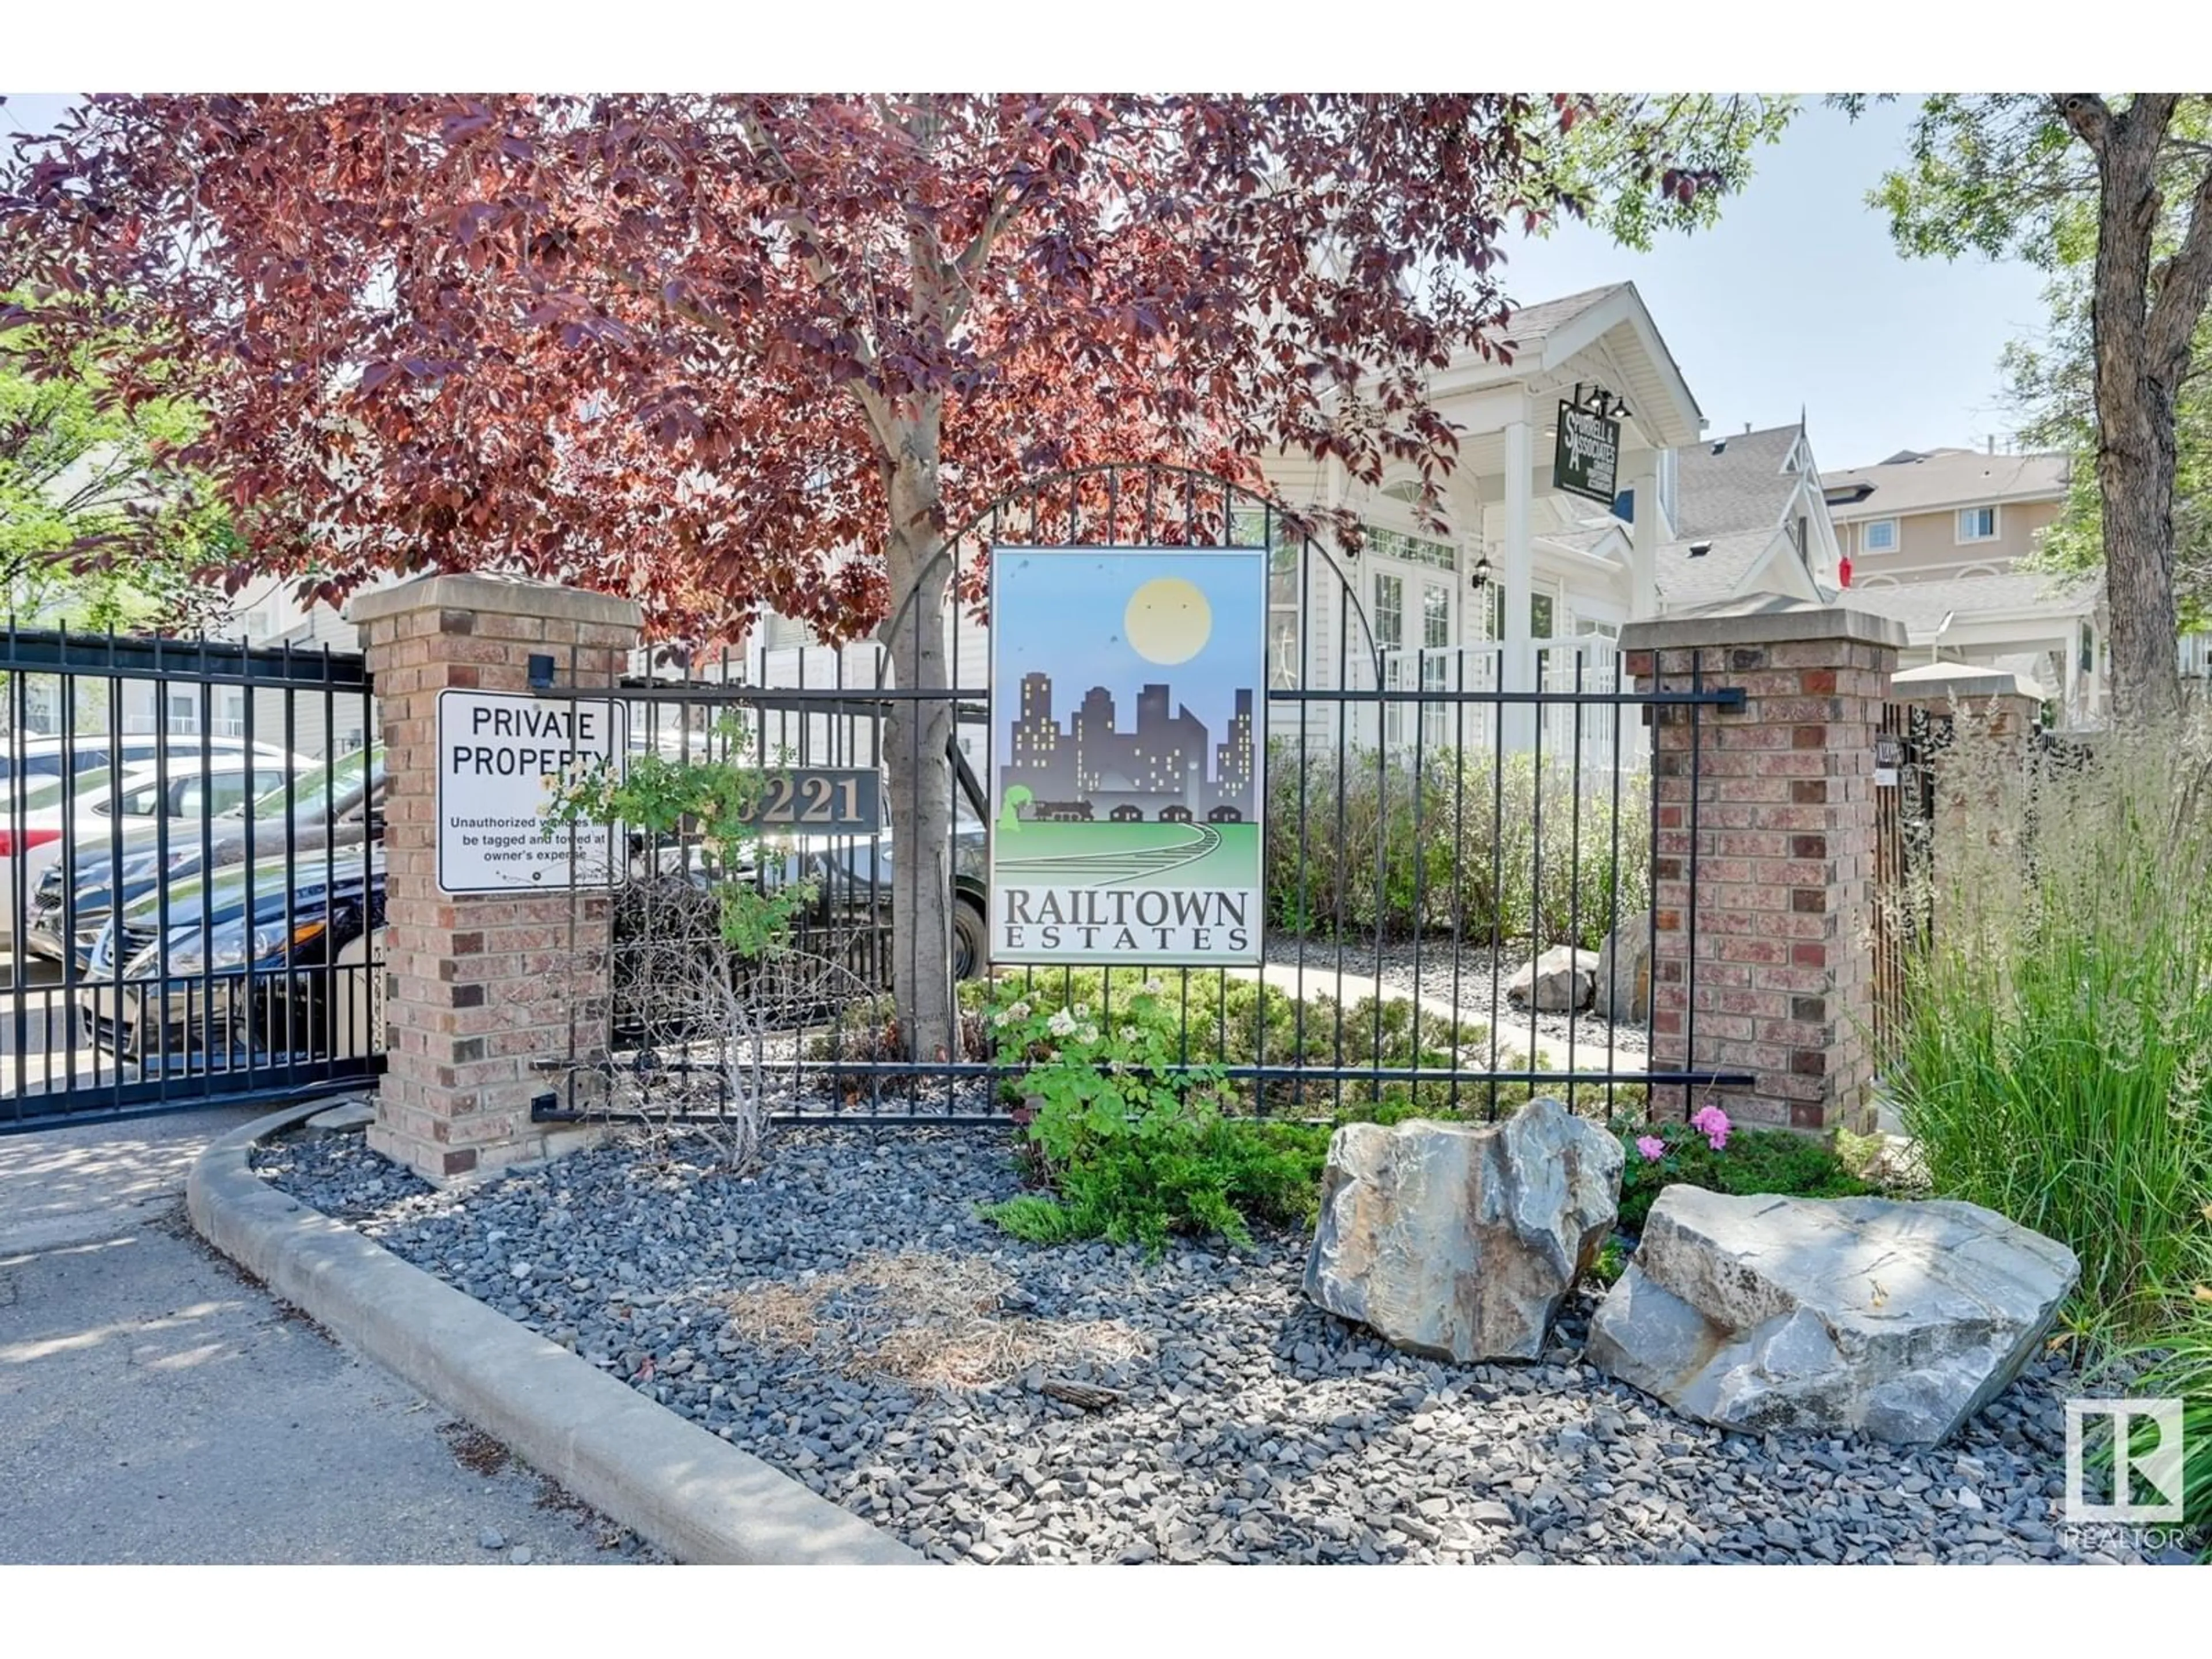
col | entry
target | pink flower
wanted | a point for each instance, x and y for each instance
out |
(1712, 1123)
(1651, 1146)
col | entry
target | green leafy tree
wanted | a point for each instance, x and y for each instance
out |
(94, 529)
(2120, 186)
(2051, 381)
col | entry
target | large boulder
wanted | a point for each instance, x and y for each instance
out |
(1557, 982)
(1900, 1320)
(1459, 1240)
(1623, 993)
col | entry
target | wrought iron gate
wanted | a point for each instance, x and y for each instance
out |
(189, 880)
(1511, 817)
(1907, 743)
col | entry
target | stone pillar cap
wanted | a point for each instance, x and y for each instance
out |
(1760, 619)
(1946, 682)
(509, 596)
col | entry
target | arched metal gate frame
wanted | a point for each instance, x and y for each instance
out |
(1458, 1045)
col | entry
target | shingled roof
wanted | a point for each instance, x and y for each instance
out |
(1921, 606)
(1736, 483)
(1927, 483)
(1731, 498)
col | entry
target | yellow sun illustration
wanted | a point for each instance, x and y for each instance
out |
(1167, 621)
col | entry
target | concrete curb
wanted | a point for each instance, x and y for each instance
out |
(694, 1496)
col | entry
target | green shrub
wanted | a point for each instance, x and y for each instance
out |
(1219, 1177)
(1611, 1262)
(1362, 843)
(1220, 1020)
(2054, 1060)
(1129, 1132)
(1749, 1162)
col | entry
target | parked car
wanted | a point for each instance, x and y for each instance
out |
(270, 958)
(51, 756)
(331, 805)
(852, 876)
(266, 959)
(148, 803)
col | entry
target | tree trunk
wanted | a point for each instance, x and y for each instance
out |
(2135, 427)
(917, 734)
(2135, 474)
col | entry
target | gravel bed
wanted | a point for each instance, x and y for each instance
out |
(1436, 969)
(1251, 1426)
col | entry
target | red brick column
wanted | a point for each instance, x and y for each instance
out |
(1983, 756)
(476, 987)
(1780, 831)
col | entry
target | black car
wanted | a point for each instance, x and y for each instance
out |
(266, 960)
(335, 806)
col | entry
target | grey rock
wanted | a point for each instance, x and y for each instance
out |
(519, 1555)
(1460, 1241)
(347, 1117)
(1622, 992)
(491, 1538)
(1826, 1315)
(1559, 979)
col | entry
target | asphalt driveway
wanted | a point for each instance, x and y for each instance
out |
(156, 1406)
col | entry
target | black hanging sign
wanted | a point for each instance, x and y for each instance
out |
(1586, 460)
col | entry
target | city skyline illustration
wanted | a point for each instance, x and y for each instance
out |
(1129, 679)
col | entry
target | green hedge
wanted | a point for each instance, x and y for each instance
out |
(1366, 843)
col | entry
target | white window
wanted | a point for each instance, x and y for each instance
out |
(1977, 524)
(1879, 536)
(781, 633)
(1283, 618)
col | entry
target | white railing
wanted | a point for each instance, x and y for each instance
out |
(1588, 664)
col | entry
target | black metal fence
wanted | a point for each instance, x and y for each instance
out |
(189, 885)
(1432, 827)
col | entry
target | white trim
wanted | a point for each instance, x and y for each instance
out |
(1996, 511)
(1877, 581)
(1896, 535)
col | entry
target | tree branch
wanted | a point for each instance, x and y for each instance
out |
(2181, 298)
(2089, 116)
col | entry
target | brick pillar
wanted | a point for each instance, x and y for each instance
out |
(476, 987)
(1781, 834)
(1991, 715)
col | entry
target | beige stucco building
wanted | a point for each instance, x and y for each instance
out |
(1937, 540)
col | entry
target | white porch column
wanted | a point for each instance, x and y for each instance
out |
(2071, 668)
(1517, 661)
(1644, 551)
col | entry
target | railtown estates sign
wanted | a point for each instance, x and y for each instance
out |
(1128, 725)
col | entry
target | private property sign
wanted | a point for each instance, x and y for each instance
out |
(497, 752)
(1128, 740)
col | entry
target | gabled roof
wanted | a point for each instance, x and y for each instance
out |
(1610, 329)
(1686, 577)
(1734, 484)
(1921, 606)
(1733, 499)
(1528, 327)
(1930, 481)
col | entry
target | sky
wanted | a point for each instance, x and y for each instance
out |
(1063, 616)
(1795, 299)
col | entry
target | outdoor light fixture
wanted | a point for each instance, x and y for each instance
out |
(541, 672)
(1481, 574)
(1601, 403)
